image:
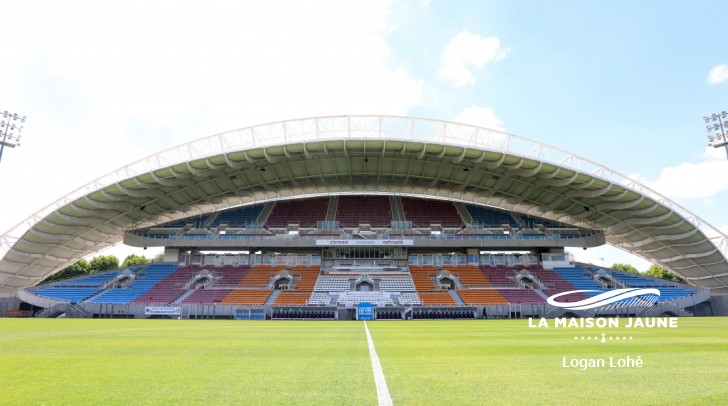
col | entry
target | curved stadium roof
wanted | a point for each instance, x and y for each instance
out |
(364, 154)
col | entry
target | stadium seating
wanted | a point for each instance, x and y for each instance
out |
(532, 222)
(409, 298)
(556, 284)
(499, 276)
(674, 293)
(307, 277)
(326, 283)
(490, 218)
(470, 275)
(436, 299)
(396, 284)
(247, 297)
(303, 313)
(353, 298)
(304, 212)
(230, 276)
(636, 281)
(521, 296)
(169, 288)
(443, 314)
(238, 217)
(91, 281)
(161, 284)
(71, 295)
(290, 298)
(373, 210)
(146, 279)
(423, 212)
(384, 314)
(422, 278)
(207, 296)
(319, 299)
(482, 297)
(578, 278)
(198, 221)
(260, 275)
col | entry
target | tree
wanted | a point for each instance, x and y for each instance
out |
(103, 263)
(98, 264)
(625, 268)
(657, 271)
(134, 259)
(79, 268)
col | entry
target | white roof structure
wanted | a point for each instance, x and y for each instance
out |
(364, 154)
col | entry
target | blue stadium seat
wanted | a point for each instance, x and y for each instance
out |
(145, 280)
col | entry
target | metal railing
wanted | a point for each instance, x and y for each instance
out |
(532, 237)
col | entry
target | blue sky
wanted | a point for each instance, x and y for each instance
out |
(622, 83)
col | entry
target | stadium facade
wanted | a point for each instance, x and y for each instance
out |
(312, 217)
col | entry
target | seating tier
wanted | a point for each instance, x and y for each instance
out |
(290, 298)
(423, 213)
(304, 212)
(373, 210)
(436, 299)
(247, 297)
(482, 297)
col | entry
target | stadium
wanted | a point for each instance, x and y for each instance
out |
(449, 241)
(352, 217)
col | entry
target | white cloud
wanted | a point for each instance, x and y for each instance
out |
(467, 52)
(104, 86)
(718, 74)
(481, 117)
(239, 62)
(607, 255)
(715, 154)
(691, 180)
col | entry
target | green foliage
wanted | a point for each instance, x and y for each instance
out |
(98, 264)
(625, 268)
(103, 263)
(79, 268)
(133, 259)
(657, 271)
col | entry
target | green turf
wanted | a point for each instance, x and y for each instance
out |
(171, 362)
(505, 362)
(175, 362)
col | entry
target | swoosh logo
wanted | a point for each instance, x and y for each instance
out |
(603, 299)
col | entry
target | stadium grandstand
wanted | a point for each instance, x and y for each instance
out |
(315, 218)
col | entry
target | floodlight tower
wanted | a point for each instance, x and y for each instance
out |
(717, 126)
(11, 127)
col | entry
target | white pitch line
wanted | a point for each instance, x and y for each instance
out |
(379, 381)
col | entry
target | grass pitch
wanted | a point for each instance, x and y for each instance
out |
(168, 362)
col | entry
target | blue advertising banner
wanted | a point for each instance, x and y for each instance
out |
(365, 311)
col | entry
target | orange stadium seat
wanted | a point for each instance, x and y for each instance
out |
(289, 298)
(482, 297)
(437, 299)
(247, 297)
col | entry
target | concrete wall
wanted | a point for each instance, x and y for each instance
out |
(8, 303)
(719, 304)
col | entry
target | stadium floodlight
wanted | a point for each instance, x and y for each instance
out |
(11, 127)
(715, 124)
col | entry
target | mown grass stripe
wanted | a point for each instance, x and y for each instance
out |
(379, 381)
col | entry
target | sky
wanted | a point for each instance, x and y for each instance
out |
(621, 83)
